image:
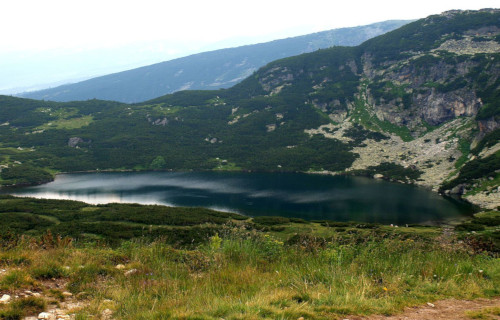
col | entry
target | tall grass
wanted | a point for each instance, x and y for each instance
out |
(243, 275)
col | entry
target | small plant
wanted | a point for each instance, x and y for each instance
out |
(215, 242)
(28, 306)
(15, 279)
(10, 314)
(48, 271)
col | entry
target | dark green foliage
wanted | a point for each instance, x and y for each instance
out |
(392, 171)
(22, 222)
(25, 175)
(359, 134)
(270, 220)
(475, 169)
(111, 223)
(470, 226)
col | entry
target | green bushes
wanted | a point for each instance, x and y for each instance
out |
(25, 175)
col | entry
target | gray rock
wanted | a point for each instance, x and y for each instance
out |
(74, 141)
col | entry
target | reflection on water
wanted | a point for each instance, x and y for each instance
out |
(294, 195)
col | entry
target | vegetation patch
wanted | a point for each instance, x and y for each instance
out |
(391, 171)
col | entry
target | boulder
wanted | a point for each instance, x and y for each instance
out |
(5, 299)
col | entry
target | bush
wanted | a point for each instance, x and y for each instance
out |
(270, 220)
(469, 226)
(29, 306)
(47, 271)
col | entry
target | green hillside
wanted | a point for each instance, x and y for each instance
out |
(418, 104)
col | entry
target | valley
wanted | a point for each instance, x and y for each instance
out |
(418, 106)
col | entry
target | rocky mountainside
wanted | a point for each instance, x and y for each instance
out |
(420, 104)
(208, 70)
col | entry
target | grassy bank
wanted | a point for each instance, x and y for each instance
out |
(249, 275)
(262, 268)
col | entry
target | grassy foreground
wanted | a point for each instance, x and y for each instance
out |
(243, 273)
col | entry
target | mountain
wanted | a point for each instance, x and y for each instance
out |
(208, 70)
(420, 104)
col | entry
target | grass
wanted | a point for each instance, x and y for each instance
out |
(72, 123)
(487, 313)
(242, 273)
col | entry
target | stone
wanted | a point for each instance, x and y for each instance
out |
(106, 314)
(36, 294)
(431, 305)
(120, 267)
(378, 176)
(5, 299)
(46, 316)
(67, 294)
(131, 272)
(74, 141)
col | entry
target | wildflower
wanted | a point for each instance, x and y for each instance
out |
(385, 289)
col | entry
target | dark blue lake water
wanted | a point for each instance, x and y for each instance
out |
(312, 197)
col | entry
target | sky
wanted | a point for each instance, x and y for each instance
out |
(53, 41)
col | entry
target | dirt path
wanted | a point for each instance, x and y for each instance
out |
(450, 309)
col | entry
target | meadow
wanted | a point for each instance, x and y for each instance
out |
(261, 268)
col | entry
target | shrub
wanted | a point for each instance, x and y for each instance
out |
(29, 306)
(270, 220)
(47, 271)
(469, 226)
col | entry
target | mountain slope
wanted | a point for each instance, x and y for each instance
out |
(418, 105)
(208, 70)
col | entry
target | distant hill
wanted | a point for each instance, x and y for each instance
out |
(209, 70)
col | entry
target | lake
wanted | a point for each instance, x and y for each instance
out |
(307, 196)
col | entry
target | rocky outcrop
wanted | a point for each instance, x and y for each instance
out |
(74, 141)
(488, 125)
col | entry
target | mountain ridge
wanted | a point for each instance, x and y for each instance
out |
(207, 70)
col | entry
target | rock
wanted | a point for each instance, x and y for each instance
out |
(46, 316)
(431, 305)
(67, 294)
(36, 294)
(106, 314)
(378, 176)
(458, 189)
(131, 272)
(120, 267)
(5, 299)
(74, 141)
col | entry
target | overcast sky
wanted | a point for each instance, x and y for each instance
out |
(175, 28)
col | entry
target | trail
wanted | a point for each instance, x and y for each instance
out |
(449, 309)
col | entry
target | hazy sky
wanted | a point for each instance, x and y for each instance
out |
(175, 28)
